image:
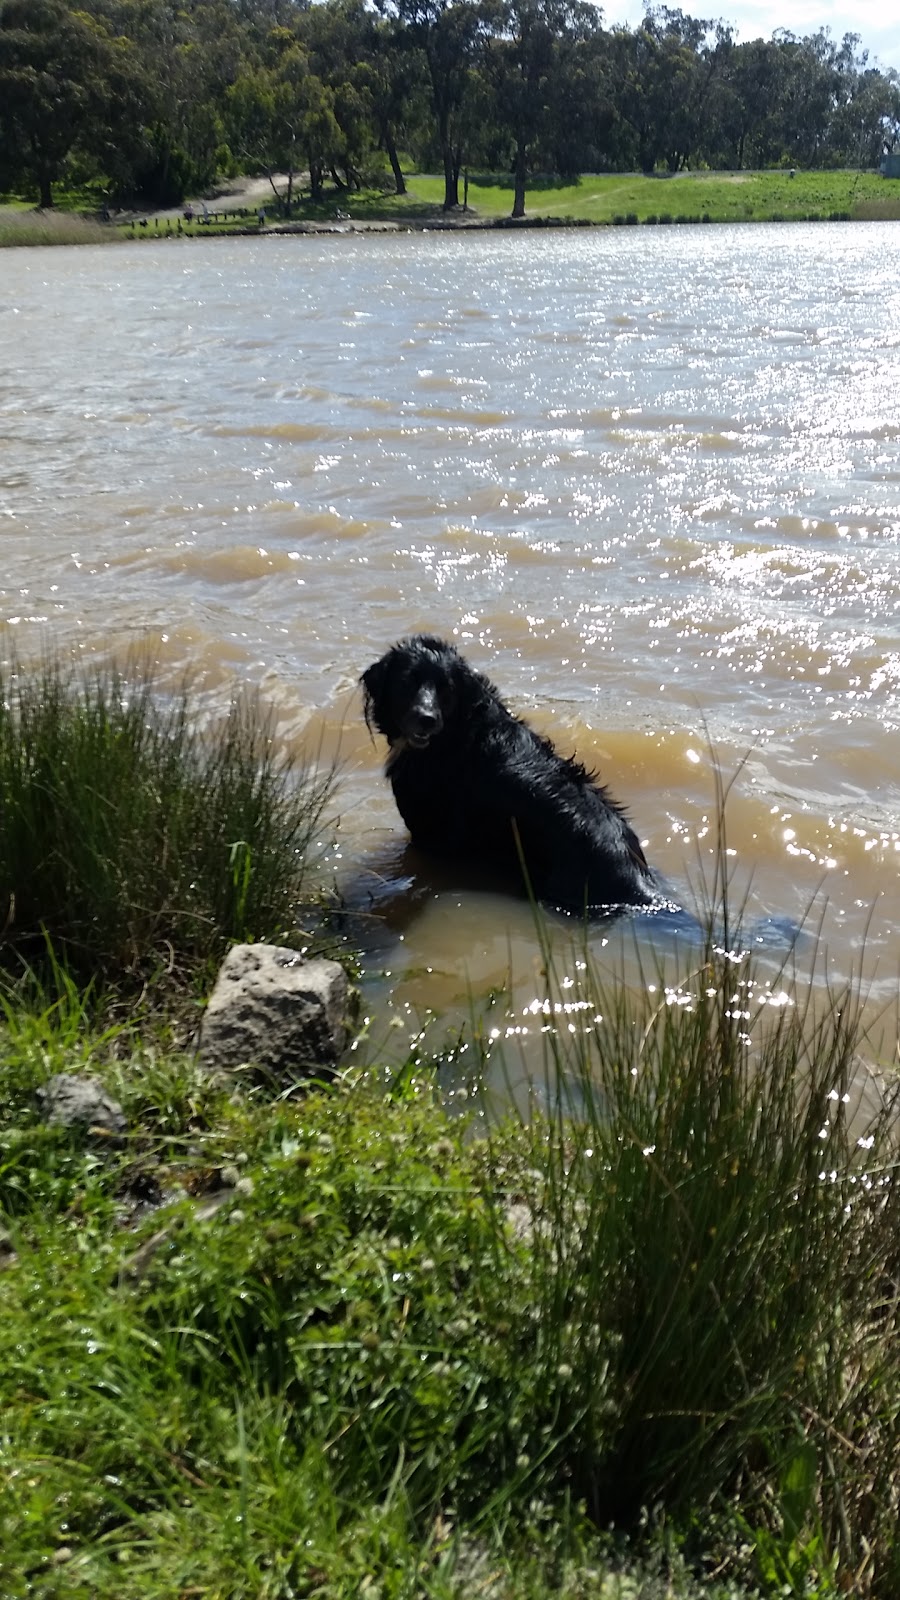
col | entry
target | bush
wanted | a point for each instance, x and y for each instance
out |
(672, 1285)
(132, 840)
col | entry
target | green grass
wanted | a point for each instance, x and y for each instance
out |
(397, 1354)
(593, 198)
(687, 197)
(19, 226)
(136, 842)
(720, 196)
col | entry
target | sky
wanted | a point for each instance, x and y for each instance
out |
(876, 21)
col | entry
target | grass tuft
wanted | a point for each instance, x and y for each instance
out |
(133, 841)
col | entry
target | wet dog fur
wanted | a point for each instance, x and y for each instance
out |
(473, 783)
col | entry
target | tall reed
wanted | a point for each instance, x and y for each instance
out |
(130, 836)
(52, 227)
(715, 1224)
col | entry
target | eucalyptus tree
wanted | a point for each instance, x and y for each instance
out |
(281, 118)
(63, 80)
(391, 74)
(449, 35)
(527, 63)
(665, 72)
(189, 52)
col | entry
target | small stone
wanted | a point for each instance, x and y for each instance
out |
(72, 1102)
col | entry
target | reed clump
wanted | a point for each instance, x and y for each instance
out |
(876, 208)
(133, 839)
(51, 227)
(718, 1218)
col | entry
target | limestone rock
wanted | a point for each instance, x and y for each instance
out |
(73, 1102)
(273, 1009)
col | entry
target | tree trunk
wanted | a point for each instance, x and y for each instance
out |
(518, 209)
(451, 176)
(394, 159)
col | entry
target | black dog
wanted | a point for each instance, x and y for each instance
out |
(474, 783)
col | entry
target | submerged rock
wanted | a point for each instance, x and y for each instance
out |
(271, 1008)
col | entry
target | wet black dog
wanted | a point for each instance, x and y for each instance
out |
(474, 783)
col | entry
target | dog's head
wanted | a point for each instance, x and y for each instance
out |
(413, 691)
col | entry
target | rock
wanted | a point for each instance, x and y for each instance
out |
(273, 1009)
(72, 1102)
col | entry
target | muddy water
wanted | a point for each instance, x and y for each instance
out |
(648, 479)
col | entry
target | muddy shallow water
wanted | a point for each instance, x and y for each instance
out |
(648, 480)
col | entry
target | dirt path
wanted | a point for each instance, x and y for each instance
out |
(232, 194)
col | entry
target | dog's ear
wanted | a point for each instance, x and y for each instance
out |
(373, 681)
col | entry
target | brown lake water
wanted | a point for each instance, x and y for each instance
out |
(649, 480)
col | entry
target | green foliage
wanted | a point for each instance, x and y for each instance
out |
(348, 1327)
(63, 80)
(133, 839)
(152, 99)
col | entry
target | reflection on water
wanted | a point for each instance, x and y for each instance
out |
(648, 479)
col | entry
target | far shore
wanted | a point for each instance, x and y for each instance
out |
(254, 206)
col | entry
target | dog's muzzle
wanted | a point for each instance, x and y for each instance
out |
(423, 719)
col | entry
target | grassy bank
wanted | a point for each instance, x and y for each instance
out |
(333, 1341)
(386, 1356)
(615, 199)
(618, 198)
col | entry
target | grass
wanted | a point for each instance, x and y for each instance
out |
(396, 1354)
(21, 227)
(716, 196)
(616, 198)
(136, 842)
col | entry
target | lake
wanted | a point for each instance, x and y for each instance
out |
(647, 479)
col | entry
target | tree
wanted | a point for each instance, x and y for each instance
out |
(665, 72)
(282, 117)
(448, 35)
(58, 70)
(389, 75)
(525, 62)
